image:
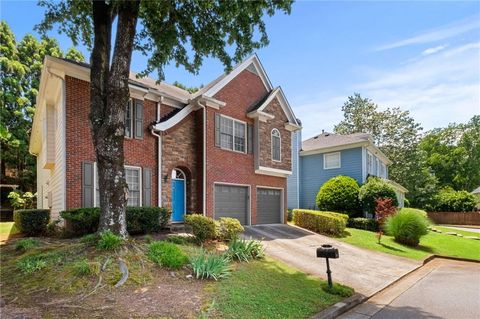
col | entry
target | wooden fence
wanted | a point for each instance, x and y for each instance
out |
(451, 218)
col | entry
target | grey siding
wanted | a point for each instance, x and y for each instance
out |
(312, 174)
(293, 180)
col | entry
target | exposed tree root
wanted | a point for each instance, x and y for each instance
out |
(124, 271)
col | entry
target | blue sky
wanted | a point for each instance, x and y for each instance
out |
(419, 56)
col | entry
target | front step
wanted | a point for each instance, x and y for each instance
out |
(176, 227)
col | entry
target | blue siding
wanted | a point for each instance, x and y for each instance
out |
(312, 174)
(292, 181)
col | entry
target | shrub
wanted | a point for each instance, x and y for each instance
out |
(384, 208)
(415, 210)
(289, 215)
(337, 289)
(109, 241)
(328, 223)
(449, 200)
(21, 200)
(31, 264)
(229, 228)
(32, 222)
(339, 194)
(26, 244)
(90, 239)
(363, 223)
(373, 189)
(407, 226)
(53, 229)
(202, 227)
(81, 221)
(180, 240)
(245, 250)
(210, 266)
(85, 268)
(166, 254)
(406, 202)
(140, 220)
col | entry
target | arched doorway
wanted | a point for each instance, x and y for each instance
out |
(179, 203)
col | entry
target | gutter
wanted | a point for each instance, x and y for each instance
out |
(204, 194)
(159, 160)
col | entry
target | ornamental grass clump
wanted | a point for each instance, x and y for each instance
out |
(109, 241)
(245, 250)
(210, 265)
(166, 254)
(407, 227)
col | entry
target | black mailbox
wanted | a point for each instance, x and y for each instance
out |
(327, 251)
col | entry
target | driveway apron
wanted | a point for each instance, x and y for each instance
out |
(365, 271)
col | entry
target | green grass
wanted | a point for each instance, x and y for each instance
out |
(8, 228)
(458, 231)
(432, 243)
(269, 289)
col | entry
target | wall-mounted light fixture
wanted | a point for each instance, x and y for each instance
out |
(165, 178)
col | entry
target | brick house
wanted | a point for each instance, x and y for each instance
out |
(224, 150)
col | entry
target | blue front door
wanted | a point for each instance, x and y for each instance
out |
(178, 200)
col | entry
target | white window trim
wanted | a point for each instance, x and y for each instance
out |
(233, 142)
(280, 145)
(95, 184)
(377, 162)
(370, 167)
(132, 120)
(184, 179)
(339, 160)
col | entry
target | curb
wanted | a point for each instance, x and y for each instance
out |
(432, 257)
(340, 307)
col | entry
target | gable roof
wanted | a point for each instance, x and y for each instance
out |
(276, 93)
(476, 190)
(327, 140)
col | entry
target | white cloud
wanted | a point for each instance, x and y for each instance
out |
(434, 50)
(442, 33)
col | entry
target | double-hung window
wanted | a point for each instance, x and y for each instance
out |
(232, 134)
(331, 160)
(134, 119)
(370, 163)
(276, 142)
(132, 177)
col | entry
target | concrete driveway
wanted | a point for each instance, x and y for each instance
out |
(440, 289)
(364, 270)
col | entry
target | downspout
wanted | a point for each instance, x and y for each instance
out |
(159, 160)
(204, 200)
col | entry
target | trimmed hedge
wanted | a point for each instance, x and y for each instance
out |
(339, 194)
(328, 223)
(143, 220)
(373, 189)
(449, 200)
(363, 223)
(140, 220)
(31, 222)
(202, 227)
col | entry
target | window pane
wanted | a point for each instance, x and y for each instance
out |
(332, 160)
(275, 146)
(128, 120)
(132, 176)
(226, 133)
(239, 137)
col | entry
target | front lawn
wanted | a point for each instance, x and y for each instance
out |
(269, 289)
(432, 243)
(57, 278)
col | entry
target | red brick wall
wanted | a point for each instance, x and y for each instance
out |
(232, 167)
(79, 145)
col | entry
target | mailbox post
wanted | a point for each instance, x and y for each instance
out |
(327, 251)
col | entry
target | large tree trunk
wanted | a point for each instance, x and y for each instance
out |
(109, 96)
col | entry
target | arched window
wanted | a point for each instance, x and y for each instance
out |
(276, 145)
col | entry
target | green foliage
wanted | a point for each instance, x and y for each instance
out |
(109, 241)
(328, 223)
(142, 220)
(33, 263)
(81, 221)
(187, 88)
(406, 202)
(369, 224)
(53, 228)
(180, 240)
(448, 200)
(21, 64)
(407, 226)
(85, 268)
(415, 210)
(210, 266)
(337, 289)
(166, 254)
(229, 228)
(22, 200)
(373, 189)
(289, 215)
(339, 194)
(202, 227)
(26, 243)
(245, 250)
(90, 239)
(32, 222)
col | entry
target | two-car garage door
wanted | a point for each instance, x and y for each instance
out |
(233, 201)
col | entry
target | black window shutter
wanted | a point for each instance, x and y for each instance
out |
(217, 129)
(88, 190)
(147, 187)
(138, 119)
(249, 138)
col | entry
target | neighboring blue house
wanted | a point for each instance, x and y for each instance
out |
(327, 155)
